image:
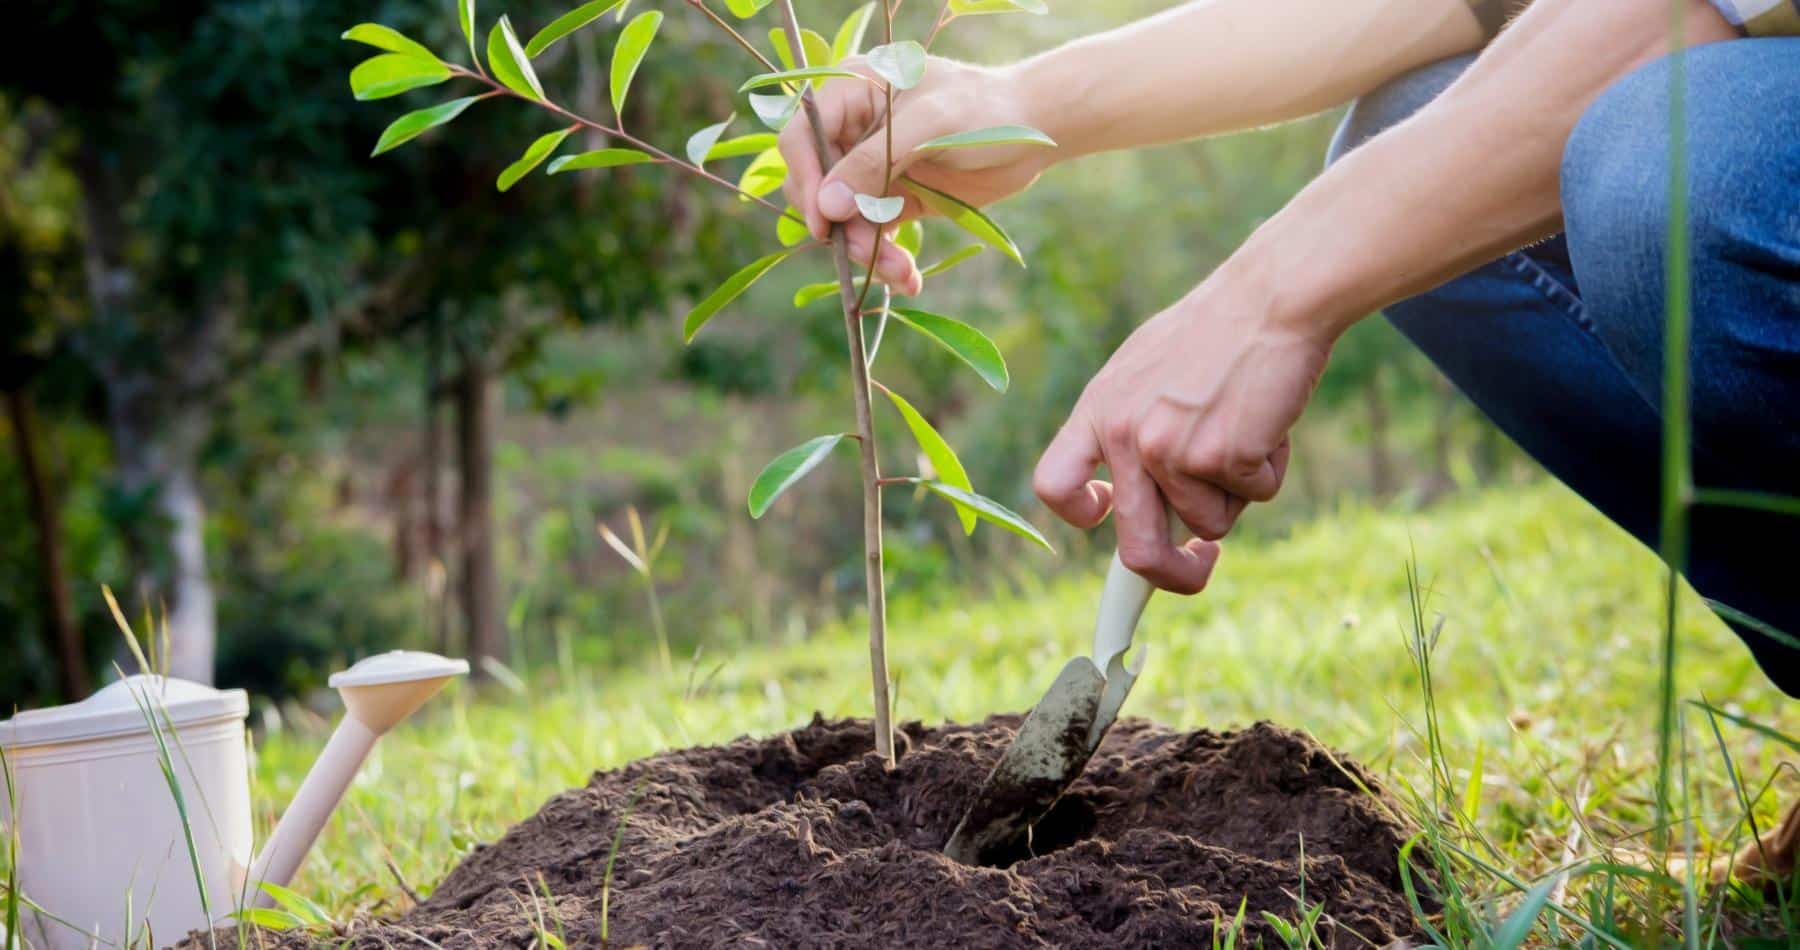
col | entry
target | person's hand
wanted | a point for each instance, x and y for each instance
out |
(1192, 410)
(953, 97)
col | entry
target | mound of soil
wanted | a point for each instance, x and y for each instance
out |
(804, 839)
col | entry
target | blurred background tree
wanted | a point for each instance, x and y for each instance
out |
(316, 404)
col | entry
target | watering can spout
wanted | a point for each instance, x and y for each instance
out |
(378, 693)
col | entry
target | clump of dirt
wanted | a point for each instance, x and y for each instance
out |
(805, 840)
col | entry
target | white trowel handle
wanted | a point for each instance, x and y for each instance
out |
(1122, 602)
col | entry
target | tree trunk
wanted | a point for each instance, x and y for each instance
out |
(60, 632)
(1381, 467)
(477, 406)
(1441, 481)
(437, 570)
(743, 569)
(158, 371)
(156, 454)
(193, 612)
(401, 495)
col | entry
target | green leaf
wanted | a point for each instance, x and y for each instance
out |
(296, 904)
(465, 13)
(391, 74)
(969, 344)
(634, 42)
(742, 145)
(387, 38)
(992, 135)
(902, 64)
(1517, 926)
(818, 51)
(268, 918)
(787, 468)
(979, 7)
(951, 261)
(944, 463)
(599, 158)
(728, 291)
(911, 236)
(764, 80)
(880, 210)
(813, 293)
(1472, 791)
(764, 174)
(409, 126)
(509, 64)
(987, 509)
(849, 38)
(533, 157)
(967, 217)
(700, 144)
(745, 9)
(568, 23)
(790, 228)
(774, 111)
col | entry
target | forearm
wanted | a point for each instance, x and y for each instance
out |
(1215, 66)
(1473, 175)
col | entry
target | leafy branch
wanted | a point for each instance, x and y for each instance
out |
(803, 60)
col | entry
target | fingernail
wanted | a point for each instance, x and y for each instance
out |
(837, 201)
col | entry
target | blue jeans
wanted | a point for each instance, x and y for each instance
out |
(1561, 344)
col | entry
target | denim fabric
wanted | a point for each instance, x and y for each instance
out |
(1561, 344)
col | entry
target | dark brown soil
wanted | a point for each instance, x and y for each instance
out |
(805, 840)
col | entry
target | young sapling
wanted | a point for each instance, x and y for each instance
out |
(782, 88)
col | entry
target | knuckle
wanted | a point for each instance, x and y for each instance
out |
(1141, 558)
(1116, 430)
(1159, 444)
(1045, 486)
(1207, 518)
(1214, 526)
(1205, 460)
(1186, 586)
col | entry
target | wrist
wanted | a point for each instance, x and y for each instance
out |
(1048, 96)
(1288, 287)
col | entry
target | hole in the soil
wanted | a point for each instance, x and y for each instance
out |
(1071, 819)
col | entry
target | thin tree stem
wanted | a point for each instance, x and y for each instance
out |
(739, 37)
(887, 179)
(942, 18)
(662, 157)
(865, 422)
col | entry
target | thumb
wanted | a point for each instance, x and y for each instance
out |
(864, 169)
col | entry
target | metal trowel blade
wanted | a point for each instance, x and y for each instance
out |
(1120, 677)
(1049, 752)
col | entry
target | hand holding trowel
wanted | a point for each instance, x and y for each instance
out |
(1062, 731)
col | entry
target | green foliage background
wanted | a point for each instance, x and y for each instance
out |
(248, 181)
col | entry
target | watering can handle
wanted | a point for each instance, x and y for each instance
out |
(1122, 602)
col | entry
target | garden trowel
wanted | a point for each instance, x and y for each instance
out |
(1061, 732)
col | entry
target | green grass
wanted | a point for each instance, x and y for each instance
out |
(1544, 681)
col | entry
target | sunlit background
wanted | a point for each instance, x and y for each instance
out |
(324, 404)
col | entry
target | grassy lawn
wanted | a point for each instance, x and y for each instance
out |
(1545, 682)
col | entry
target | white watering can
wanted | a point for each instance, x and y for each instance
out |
(103, 848)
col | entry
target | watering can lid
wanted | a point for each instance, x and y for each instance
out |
(398, 666)
(120, 709)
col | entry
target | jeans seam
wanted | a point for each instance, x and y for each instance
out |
(1559, 294)
(1553, 290)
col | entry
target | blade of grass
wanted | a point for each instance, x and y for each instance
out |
(612, 856)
